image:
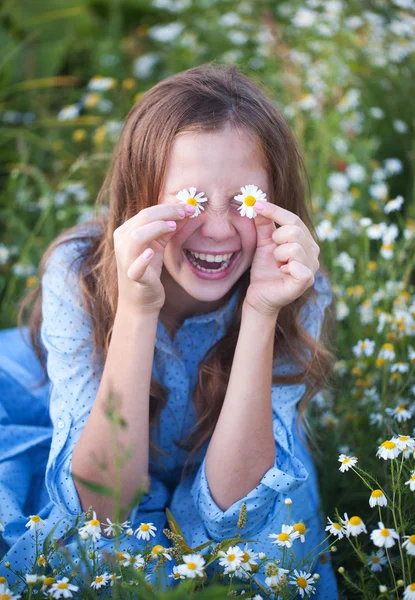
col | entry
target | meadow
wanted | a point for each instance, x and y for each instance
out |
(342, 73)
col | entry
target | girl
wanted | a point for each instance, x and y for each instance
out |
(198, 300)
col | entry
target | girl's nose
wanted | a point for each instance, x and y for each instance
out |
(217, 226)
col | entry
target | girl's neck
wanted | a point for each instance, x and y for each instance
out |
(179, 305)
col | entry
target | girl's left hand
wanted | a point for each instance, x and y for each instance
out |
(291, 245)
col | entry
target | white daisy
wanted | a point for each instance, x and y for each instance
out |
(301, 529)
(145, 530)
(376, 560)
(159, 550)
(286, 537)
(354, 526)
(113, 577)
(92, 528)
(176, 574)
(190, 197)
(231, 559)
(247, 561)
(114, 528)
(193, 565)
(278, 573)
(409, 593)
(62, 589)
(411, 481)
(377, 498)
(393, 205)
(409, 544)
(404, 441)
(31, 578)
(135, 561)
(335, 528)
(346, 462)
(250, 195)
(6, 593)
(384, 537)
(304, 582)
(35, 523)
(387, 449)
(100, 581)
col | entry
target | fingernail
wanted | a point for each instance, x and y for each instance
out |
(181, 212)
(190, 209)
(171, 224)
(259, 206)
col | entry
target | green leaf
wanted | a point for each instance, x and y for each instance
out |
(102, 490)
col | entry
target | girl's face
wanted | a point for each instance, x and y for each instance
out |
(218, 164)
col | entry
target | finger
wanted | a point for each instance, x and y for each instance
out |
(150, 232)
(168, 212)
(138, 268)
(293, 251)
(279, 215)
(264, 230)
(293, 233)
(301, 275)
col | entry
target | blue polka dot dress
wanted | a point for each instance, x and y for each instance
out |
(40, 427)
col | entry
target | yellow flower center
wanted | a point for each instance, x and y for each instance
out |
(157, 549)
(192, 201)
(384, 532)
(302, 582)
(5, 596)
(375, 559)
(337, 526)
(94, 522)
(283, 537)
(192, 566)
(62, 585)
(245, 557)
(412, 587)
(403, 438)
(413, 478)
(377, 494)
(49, 581)
(412, 539)
(300, 527)
(3, 580)
(145, 527)
(35, 519)
(355, 521)
(250, 200)
(132, 559)
(345, 460)
(120, 556)
(98, 579)
(388, 445)
(231, 557)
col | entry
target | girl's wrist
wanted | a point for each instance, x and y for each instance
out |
(262, 317)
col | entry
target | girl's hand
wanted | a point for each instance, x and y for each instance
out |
(139, 245)
(292, 246)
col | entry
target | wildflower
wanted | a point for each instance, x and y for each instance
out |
(354, 525)
(346, 462)
(100, 83)
(63, 589)
(376, 560)
(262, 556)
(247, 562)
(400, 413)
(192, 566)
(301, 529)
(377, 498)
(288, 501)
(92, 528)
(176, 574)
(411, 481)
(6, 594)
(304, 582)
(47, 582)
(41, 561)
(383, 536)
(364, 347)
(113, 577)
(231, 559)
(69, 112)
(31, 578)
(286, 537)
(190, 198)
(275, 575)
(335, 529)
(250, 195)
(35, 523)
(100, 581)
(387, 449)
(409, 593)
(160, 550)
(409, 544)
(393, 205)
(137, 561)
(129, 532)
(383, 589)
(114, 528)
(145, 531)
(404, 442)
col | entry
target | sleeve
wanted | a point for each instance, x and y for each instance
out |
(288, 472)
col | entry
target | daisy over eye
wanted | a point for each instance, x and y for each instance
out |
(250, 195)
(190, 197)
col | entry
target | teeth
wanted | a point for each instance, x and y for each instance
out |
(212, 258)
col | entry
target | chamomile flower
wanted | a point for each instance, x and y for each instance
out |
(250, 195)
(301, 530)
(100, 581)
(135, 561)
(192, 567)
(159, 550)
(62, 589)
(346, 462)
(409, 544)
(286, 537)
(92, 528)
(411, 481)
(384, 537)
(6, 593)
(35, 523)
(144, 531)
(376, 560)
(388, 449)
(190, 197)
(176, 574)
(247, 562)
(114, 528)
(409, 593)
(335, 528)
(304, 583)
(354, 526)
(275, 575)
(31, 578)
(377, 498)
(113, 577)
(404, 442)
(231, 559)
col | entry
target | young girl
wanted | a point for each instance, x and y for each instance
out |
(198, 300)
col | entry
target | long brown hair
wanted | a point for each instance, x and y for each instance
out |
(203, 98)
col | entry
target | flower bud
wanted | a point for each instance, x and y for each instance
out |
(341, 570)
(383, 589)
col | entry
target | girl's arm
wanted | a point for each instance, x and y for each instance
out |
(127, 373)
(242, 447)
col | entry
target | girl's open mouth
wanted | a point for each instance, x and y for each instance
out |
(206, 268)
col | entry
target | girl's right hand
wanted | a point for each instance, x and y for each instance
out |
(139, 246)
